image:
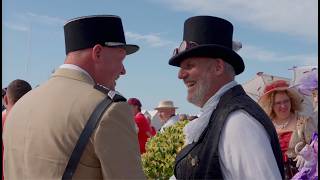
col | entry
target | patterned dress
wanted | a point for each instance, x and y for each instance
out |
(310, 153)
(297, 139)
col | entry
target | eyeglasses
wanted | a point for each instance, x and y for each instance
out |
(185, 45)
(287, 101)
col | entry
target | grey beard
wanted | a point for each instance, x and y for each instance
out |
(198, 98)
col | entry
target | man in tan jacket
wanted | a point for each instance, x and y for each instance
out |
(44, 126)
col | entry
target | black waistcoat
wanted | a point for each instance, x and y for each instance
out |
(200, 160)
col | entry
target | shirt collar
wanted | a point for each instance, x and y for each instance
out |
(213, 101)
(75, 67)
(194, 129)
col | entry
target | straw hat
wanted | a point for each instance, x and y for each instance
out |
(165, 105)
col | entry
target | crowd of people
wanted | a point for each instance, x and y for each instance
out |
(98, 134)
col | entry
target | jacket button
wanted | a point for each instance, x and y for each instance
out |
(194, 161)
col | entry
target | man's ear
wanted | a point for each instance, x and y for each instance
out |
(6, 100)
(219, 66)
(96, 52)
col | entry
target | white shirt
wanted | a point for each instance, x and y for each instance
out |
(170, 122)
(244, 147)
(245, 150)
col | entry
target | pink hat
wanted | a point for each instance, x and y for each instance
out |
(279, 85)
(276, 86)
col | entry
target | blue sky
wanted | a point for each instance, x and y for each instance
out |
(275, 35)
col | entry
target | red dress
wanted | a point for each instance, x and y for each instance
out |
(153, 131)
(290, 168)
(284, 139)
(144, 127)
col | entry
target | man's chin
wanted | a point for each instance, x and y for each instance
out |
(112, 86)
(193, 100)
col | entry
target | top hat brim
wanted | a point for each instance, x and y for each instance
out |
(130, 48)
(213, 51)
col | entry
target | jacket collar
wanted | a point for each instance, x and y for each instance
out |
(73, 74)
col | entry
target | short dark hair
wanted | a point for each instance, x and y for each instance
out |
(16, 89)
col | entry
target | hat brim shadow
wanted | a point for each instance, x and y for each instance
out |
(130, 48)
(213, 51)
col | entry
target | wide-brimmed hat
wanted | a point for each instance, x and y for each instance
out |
(165, 105)
(279, 85)
(208, 36)
(87, 31)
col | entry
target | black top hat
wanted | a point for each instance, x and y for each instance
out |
(213, 38)
(87, 31)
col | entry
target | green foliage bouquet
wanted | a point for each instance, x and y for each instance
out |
(158, 161)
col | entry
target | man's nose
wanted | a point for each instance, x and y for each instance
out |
(123, 71)
(182, 74)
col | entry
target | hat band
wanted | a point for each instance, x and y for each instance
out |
(114, 44)
(185, 45)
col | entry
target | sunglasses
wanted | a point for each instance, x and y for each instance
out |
(185, 45)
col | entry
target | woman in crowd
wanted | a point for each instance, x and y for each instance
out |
(282, 104)
(142, 123)
(308, 86)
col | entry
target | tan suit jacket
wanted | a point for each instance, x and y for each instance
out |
(44, 126)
